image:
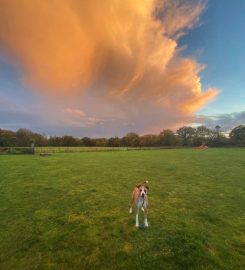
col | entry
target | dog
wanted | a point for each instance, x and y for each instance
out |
(140, 199)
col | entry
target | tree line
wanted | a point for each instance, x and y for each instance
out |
(184, 136)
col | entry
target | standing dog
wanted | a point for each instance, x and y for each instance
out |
(140, 199)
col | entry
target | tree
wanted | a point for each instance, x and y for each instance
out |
(131, 139)
(69, 141)
(55, 141)
(86, 141)
(237, 135)
(217, 128)
(39, 139)
(202, 135)
(101, 142)
(8, 138)
(187, 134)
(167, 138)
(24, 137)
(113, 142)
(148, 140)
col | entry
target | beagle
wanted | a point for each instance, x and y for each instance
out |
(140, 199)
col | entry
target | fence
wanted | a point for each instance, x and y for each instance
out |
(17, 150)
(38, 150)
(90, 149)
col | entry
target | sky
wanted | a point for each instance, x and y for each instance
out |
(82, 68)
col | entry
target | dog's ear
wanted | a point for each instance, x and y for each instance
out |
(140, 184)
(147, 187)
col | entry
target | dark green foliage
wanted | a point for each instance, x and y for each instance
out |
(167, 138)
(69, 141)
(237, 135)
(113, 142)
(185, 136)
(86, 141)
(8, 138)
(130, 140)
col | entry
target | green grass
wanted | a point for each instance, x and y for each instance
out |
(70, 211)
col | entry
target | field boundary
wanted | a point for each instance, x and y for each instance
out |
(53, 149)
(17, 150)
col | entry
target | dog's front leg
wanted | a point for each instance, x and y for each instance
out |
(145, 217)
(137, 217)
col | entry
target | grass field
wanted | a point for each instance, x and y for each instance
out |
(70, 211)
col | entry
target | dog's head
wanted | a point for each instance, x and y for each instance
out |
(143, 189)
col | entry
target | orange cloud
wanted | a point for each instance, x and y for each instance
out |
(75, 112)
(120, 57)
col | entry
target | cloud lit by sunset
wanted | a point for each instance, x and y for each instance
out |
(111, 64)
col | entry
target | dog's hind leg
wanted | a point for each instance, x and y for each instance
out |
(145, 218)
(137, 217)
(131, 204)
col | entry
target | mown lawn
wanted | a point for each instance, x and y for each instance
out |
(70, 211)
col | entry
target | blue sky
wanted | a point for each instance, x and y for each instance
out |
(217, 41)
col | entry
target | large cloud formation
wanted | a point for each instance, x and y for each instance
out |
(110, 63)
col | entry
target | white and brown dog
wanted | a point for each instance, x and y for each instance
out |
(140, 199)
